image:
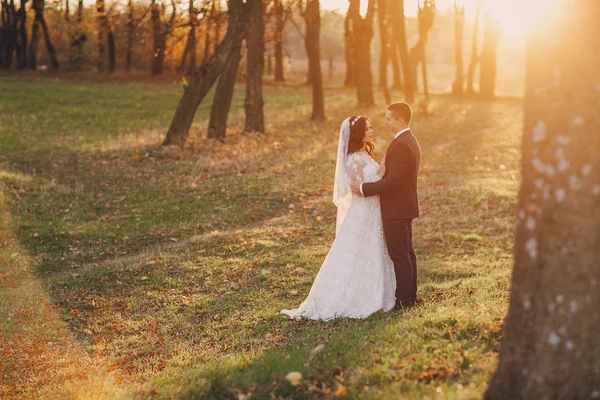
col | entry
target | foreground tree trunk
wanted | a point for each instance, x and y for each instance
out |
(487, 61)
(459, 27)
(384, 39)
(219, 112)
(255, 57)
(362, 28)
(551, 346)
(399, 32)
(204, 77)
(312, 16)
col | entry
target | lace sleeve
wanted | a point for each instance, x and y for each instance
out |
(354, 168)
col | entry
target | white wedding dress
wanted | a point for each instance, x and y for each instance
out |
(357, 277)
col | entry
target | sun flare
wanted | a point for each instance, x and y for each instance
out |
(513, 16)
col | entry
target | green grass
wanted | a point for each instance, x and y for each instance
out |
(170, 273)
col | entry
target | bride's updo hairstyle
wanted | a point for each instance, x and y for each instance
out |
(358, 127)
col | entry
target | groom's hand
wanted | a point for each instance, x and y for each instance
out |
(355, 187)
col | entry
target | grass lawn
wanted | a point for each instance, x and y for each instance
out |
(126, 274)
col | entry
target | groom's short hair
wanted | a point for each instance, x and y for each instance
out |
(401, 110)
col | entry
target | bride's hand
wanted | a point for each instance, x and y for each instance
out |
(381, 172)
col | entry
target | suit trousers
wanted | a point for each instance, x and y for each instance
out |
(398, 237)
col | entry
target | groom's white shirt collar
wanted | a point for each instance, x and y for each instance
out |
(401, 132)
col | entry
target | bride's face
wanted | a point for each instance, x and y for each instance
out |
(368, 133)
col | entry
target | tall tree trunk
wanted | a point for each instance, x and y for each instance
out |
(474, 52)
(217, 125)
(100, 16)
(22, 36)
(459, 27)
(399, 31)
(395, 64)
(349, 42)
(110, 41)
(204, 77)
(384, 57)
(487, 62)
(363, 33)
(35, 37)
(278, 41)
(312, 17)
(130, 29)
(417, 53)
(159, 39)
(255, 57)
(551, 347)
(8, 34)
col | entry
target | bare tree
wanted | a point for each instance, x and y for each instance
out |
(8, 33)
(399, 33)
(255, 44)
(104, 30)
(551, 347)
(40, 22)
(204, 77)
(459, 27)
(310, 10)
(161, 29)
(77, 38)
(281, 13)
(362, 29)
(384, 40)
(21, 31)
(349, 42)
(487, 60)
(474, 50)
(190, 46)
(417, 53)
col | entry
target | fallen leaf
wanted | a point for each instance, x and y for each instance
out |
(294, 378)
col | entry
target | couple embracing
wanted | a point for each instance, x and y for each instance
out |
(371, 264)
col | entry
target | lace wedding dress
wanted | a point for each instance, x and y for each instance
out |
(357, 277)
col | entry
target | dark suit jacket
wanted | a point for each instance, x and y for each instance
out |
(397, 189)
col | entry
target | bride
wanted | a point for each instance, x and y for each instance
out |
(357, 277)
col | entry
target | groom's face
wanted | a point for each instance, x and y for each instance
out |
(393, 123)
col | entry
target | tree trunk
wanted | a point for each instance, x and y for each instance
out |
(8, 34)
(551, 346)
(209, 21)
(384, 58)
(101, 16)
(190, 46)
(399, 31)
(363, 33)
(312, 16)
(205, 76)
(217, 125)
(35, 37)
(278, 41)
(159, 39)
(130, 29)
(77, 38)
(395, 64)
(22, 36)
(349, 43)
(255, 57)
(459, 26)
(474, 53)
(417, 53)
(487, 62)
(110, 39)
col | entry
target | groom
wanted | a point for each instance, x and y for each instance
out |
(399, 204)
